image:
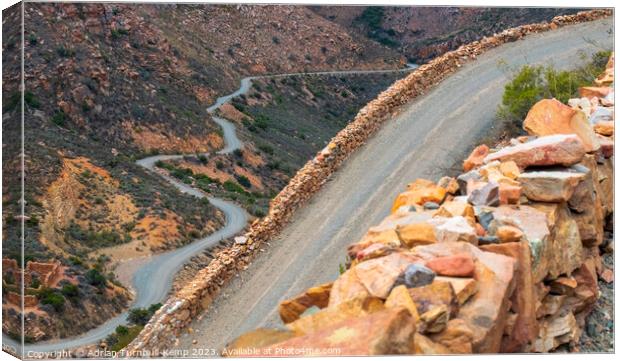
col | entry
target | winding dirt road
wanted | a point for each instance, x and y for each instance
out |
(153, 277)
(424, 140)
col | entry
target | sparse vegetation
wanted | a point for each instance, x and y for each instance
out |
(59, 118)
(529, 84)
(51, 297)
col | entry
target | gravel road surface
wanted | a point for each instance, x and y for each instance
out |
(424, 140)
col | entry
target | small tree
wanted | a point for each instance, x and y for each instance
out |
(95, 278)
(122, 330)
(139, 316)
(70, 291)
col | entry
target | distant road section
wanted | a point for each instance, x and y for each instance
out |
(425, 139)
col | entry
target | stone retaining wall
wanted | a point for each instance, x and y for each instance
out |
(503, 258)
(178, 311)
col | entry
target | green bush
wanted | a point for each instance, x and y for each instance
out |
(139, 316)
(59, 118)
(30, 99)
(233, 187)
(51, 297)
(65, 52)
(261, 121)
(12, 103)
(70, 291)
(243, 180)
(532, 83)
(95, 278)
(121, 330)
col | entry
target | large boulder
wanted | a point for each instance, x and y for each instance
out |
(374, 277)
(587, 205)
(549, 185)
(561, 149)
(258, 338)
(535, 229)
(566, 246)
(550, 116)
(327, 317)
(525, 327)
(387, 332)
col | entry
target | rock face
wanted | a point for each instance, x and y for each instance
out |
(544, 151)
(550, 116)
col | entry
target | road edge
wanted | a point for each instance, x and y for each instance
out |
(179, 310)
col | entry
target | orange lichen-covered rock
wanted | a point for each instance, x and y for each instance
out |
(400, 297)
(425, 346)
(591, 91)
(449, 184)
(507, 234)
(476, 157)
(456, 208)
(457, 337)
(416, 234)
(259, 338)
(605, 127)
(355, 307)
(464, 288)
(509, 169)
(418, 193)
(387, 332)
(550, 116)
(376, 235)
(436, 294)
(318, 296)
(561, 149)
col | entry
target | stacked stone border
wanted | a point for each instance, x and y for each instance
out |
(179, 310)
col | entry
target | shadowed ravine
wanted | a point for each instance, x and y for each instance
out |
(152, 281)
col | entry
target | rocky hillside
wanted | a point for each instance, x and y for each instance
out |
(108, 84)
(503, 258)
(422, 33)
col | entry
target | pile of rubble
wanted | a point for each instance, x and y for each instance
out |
(502, 258)
(177, 312)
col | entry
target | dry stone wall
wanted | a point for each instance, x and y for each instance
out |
(503, 258)
(176, 313)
